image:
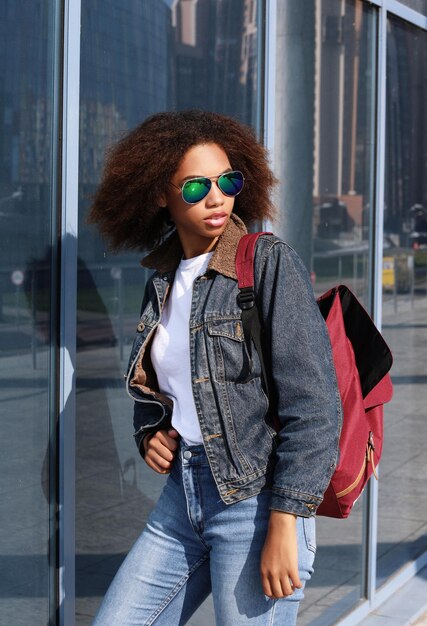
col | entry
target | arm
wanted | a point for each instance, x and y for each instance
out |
(143, 414)
(308, 408)
(149, 414)
(279, 558)
(298, 354)
(306, 398)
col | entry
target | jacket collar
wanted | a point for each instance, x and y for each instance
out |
(168, 255)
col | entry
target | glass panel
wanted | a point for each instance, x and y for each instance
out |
(26, 342)
(402, 527)
(136, 59)
(325, 113)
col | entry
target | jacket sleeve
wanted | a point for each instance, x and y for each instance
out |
(142, 413)
(298, 356)
(146, 413)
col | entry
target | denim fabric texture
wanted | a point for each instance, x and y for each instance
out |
(244, 451)
(195, 544)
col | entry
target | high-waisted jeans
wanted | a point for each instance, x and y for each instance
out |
(194, 544)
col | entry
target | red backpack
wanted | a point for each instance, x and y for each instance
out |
(362, 361)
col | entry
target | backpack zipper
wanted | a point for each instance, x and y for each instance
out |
(369, 458)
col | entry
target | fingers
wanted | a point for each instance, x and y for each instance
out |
(278, 586)
(160, 450)
(172, 436)
(295, 579)
(167, 438)
(279, 557)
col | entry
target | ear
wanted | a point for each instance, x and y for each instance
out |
(161, 201)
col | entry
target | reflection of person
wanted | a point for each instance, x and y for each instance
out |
(236, 513)
(91, 309)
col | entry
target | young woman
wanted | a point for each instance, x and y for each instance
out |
(236, 517)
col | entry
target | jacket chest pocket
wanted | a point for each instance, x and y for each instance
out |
(228, 349)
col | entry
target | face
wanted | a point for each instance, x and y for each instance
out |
(199, 225)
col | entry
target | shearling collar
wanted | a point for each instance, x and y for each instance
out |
(167, 256)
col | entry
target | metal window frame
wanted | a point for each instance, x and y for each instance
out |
(396, 8)
(68, 308)
(370, 502)
(56, 27)
(270, 75)
(270, 85)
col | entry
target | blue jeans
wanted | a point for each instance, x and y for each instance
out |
(193, 545)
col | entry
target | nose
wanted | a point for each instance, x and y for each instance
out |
(215, 196)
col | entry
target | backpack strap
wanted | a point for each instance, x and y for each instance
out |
(246, 298)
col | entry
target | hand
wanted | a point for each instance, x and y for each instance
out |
(279, 557)
(160, 449)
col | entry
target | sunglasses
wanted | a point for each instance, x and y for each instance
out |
(195, 189)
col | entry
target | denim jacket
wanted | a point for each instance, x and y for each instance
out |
(245, 452)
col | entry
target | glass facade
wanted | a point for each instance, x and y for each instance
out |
(324, 140)
(138, 58)
(154, 56)
(124, 66)
(402, 497)
(325, 122)
(27, 311)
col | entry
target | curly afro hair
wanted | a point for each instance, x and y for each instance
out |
(140, 166)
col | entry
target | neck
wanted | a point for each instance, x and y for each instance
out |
(196, 248)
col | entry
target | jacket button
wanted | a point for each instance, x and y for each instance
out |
(140, 327)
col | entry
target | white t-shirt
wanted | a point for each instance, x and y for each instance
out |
(170, 350)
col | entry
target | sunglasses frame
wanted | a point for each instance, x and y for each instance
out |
(212, 180)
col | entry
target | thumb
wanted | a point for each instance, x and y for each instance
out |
(173, 433)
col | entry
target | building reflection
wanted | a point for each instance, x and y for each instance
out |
(138, 58)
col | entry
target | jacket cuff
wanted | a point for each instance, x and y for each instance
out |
(304, 506)
(139, 440)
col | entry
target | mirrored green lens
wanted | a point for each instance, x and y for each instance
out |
(195, 190)
(231, 183)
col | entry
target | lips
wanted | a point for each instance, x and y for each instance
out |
(216, 219)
